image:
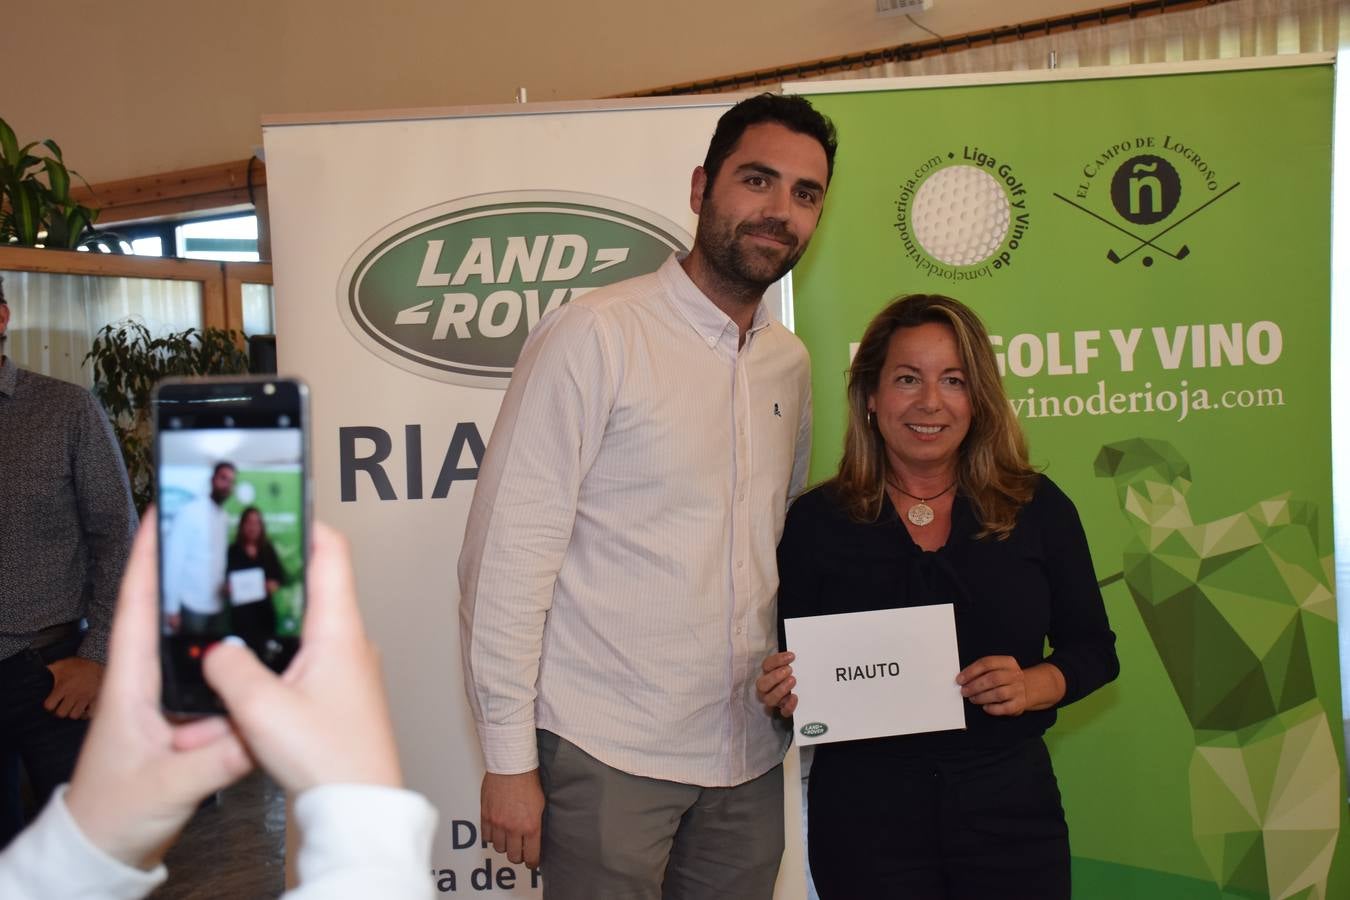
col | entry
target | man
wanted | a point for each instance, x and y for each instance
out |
(618, 572)
(66, 521)
(194, 560)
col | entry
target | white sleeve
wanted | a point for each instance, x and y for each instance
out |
(177, 545)
(801, 453)
(544, 442)
(52, 858)
(360, 841)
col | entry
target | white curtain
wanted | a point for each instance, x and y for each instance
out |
(1239, 28)
(53, 318)
(259, 314)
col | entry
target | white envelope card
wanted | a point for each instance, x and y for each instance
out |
(247, 586)
(875, 674)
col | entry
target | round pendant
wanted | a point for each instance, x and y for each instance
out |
(920, 514)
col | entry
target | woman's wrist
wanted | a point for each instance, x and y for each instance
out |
(1045, 686)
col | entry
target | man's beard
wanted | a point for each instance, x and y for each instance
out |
(740, 263)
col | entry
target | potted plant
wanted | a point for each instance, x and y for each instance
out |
(35, 213)
(128, 362)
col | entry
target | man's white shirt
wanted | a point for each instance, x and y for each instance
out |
(194, 558)
(618, 576)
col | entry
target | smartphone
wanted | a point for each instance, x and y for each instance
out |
(232, 491)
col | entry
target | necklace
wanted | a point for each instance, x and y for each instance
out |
(920, 513)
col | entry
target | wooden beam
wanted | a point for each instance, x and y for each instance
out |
(215, 311)
(224, 202)
(71, 262)
(206, 188)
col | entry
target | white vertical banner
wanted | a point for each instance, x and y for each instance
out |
(412, 254)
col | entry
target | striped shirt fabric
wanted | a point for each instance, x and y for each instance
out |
(618, 575)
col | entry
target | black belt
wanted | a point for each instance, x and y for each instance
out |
(55, 634)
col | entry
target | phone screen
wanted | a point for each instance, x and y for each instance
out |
(231, 490)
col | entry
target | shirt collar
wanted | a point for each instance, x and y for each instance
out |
(9, 377)
(700, 312)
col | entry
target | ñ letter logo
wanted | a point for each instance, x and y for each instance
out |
(1145, 189)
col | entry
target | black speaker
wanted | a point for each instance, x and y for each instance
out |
(262, 354)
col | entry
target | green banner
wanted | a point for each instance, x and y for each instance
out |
(1152, 258)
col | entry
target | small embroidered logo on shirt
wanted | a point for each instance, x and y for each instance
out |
(777, 412)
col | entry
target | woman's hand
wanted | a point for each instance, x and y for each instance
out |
(1001, 687)
(774, 687)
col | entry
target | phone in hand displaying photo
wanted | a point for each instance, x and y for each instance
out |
(232, 492)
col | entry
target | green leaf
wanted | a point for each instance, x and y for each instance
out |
(58, 179)
(9, 144)
(76, 220)
(26, 204)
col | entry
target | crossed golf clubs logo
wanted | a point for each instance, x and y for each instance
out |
(1181, 252)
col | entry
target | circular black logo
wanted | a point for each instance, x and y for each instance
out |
(1145, 189)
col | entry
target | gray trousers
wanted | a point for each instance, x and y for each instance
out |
(608, 835)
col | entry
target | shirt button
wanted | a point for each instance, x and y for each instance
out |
(741, 497)
(740, 564)
(739, 629)
(712, 342)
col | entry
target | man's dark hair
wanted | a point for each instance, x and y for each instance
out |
(792, 112)
(223, 464)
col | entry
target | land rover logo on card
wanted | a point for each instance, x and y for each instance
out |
(814, 729)
(451, 292)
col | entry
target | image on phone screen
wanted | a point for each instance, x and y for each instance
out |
(230, 485)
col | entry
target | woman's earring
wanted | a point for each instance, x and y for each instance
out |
(871, 418)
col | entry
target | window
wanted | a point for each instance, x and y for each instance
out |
(228, 240)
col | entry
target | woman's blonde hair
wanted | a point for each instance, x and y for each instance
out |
(992, 468)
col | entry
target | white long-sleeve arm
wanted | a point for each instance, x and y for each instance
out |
(357, 841)
(546, 437)
(53, 858)
(361, 841)
(801, 454)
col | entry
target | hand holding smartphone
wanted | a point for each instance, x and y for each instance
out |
(232, 490)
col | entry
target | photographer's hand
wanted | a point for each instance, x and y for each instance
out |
(331, 696)
(139, 777)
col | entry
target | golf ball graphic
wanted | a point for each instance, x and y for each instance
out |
(961, 215)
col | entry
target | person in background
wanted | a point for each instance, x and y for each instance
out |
(322, 730)
(252, 615)
(195, 593)
(617, 575)
(66, 521)
(935, 502)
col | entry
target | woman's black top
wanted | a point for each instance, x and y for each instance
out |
(236, 559)
(1009, 597)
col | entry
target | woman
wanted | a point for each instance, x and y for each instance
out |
(935, 502)
(252, 615)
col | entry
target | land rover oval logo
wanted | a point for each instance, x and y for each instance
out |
(451, 292)
(814, 729)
